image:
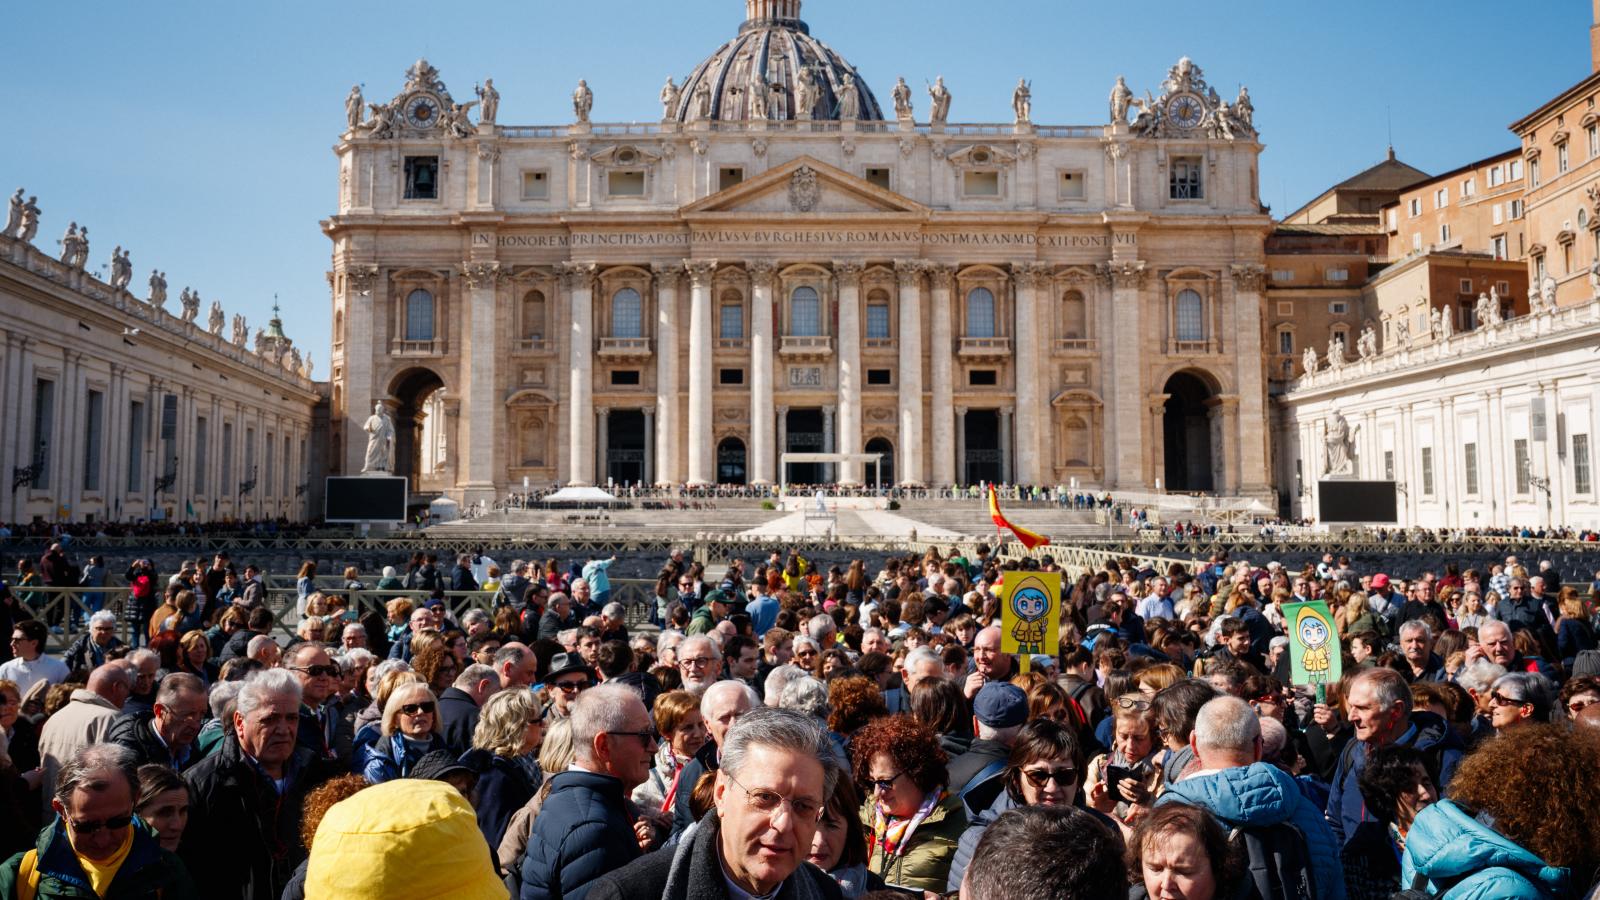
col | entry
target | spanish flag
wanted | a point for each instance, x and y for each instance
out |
(1028, 538)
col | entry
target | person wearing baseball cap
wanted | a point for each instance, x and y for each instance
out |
(998, 714)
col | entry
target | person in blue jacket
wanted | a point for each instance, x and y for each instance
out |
(1235, 786)
(1519, 822)
(410, 731)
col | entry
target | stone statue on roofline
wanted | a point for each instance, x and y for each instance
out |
(902, 99)
(582, 101)
(1121, 100)
(488, 101)
(1308, 360)
(669, 98)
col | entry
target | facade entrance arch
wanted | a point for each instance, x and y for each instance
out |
(731, 467)
(1190, 436)
(415, 395)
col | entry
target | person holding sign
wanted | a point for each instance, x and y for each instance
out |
(1030, 604)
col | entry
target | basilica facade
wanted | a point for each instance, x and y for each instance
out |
(785, 264)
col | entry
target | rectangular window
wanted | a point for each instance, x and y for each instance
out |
(1285, 342)
(1503, 288)
(730, 323)
(1388, 465)
(1469, 188)
(536, 185)
(422, 178)
(1497, 176)
(625, 183)
(1340, 274)
(728, 176)
(227, 485)
(730, 376)
(94, 414)
(1283, 276)
(168, 435)
(1394, 220)
(1521, 462)
(269, 446)
(1444, 233)
(1441, 198)
(1561, 159)
(202, 435)
(1466, 286)
(980, 184)
(1338, 308)
(1594, 141)
(135, 447)
(1469, 460)
(1514, 172)
(1427, 471)
(983, 377)
(249, 473)
(1533, 173)
(1581, 482)
(1517, 207)
(880, 376)
(878, 321)
(1185, 182)
(1497, 213)
(44, 423)
(624, 377)
(1071, 185)
(1416, 242)
(1415, 207)
(878, 175)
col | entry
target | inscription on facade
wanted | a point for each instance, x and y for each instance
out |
(791, 237)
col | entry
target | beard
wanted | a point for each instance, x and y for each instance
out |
(697, 686)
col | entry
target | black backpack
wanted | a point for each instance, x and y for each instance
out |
(1277, 862)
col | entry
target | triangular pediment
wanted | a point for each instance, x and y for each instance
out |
(806, 186)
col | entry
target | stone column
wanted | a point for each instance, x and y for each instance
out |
(669, 430)
(485, 414)
(1233, 439)
(649, 445)
(1126, 395)
(1157, 407)
(1255, 477)
(910, 412)
(783, 443)
(579, 281)
(940, 361)
(761, 459)
(362, 339)
(1006, 468)
(829, 472)
(602, 441)
(850, 381)
(961, 445)
(702, 467)
(1031, 405)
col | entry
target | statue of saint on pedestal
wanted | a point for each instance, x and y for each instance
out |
(582, 101)
(941, 101)
(380, 443)
(488, 102)
(1337, 445)
(1022, 102)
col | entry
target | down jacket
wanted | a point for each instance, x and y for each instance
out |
(1262, 795)
(148, 872)
(1463, 859)
(582, 832)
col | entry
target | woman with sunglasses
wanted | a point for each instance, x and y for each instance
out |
(1122, 783)
(1576, 695)
(912, 820)
(1045, 768)
(410, 730)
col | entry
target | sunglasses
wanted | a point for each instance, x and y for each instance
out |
(331, 671)
(568, 687)
(1499, 699)
(649, 737)
(883, 785)
(416, 709)
(116, 823)
(1062, 777)
(1578, 706)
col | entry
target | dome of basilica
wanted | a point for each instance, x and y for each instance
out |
(774, 69)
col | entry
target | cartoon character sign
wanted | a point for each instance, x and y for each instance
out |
(1029, 603)
(1313, 645)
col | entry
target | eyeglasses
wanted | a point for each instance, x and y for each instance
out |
(332, 671)
(806, 652)
(695, 661)
(116, 823)
(417, 709)
(1499, 699)
(883, 785)
(569, 687)
(1130, 701)
(1062, 777)
(649, 737)
(768, 802)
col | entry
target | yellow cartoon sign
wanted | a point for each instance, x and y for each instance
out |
(1313, 644)
(1030, 603)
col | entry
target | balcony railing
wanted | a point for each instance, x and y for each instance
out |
(733, 343)
(624, 348)
(878, 343)
(434, 347)
(1189, 348)
(808, 345)
(1075, 345)
(984, 347)
(535, 345)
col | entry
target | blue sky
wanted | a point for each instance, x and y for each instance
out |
(199, 135)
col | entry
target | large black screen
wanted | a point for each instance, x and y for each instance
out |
(367, 498)
(1345, 500)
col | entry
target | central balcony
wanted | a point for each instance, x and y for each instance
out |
(629, 348)
(984, 348)
(806, 347)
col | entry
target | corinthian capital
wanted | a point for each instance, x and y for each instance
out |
(576, 275)
(761, 272)
(667, 274)
(1248, 276)
(910, 271)
(1124, 273)
(1033, 274)
(848, 272)
(942, 275)
(480, 274)
(700, 271)
(361, 279)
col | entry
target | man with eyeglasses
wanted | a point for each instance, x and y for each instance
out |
(700, 663)
(770, 794)
(326, 727)
(723, 705)
(166, 736)
(583, 830)
(569, 676)
(96, 839)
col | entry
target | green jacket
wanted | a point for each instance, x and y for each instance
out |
(701, 622)
(148, 873)
(924, 865)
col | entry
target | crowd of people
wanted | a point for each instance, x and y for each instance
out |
(785, 730)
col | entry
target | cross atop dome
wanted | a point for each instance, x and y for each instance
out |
(761, 13)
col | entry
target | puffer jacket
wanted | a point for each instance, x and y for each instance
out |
(583, 831)
(148, 872)
(1428, 734)
(391, 757)
(924, 865)
(1261, 795)
(1467, 860)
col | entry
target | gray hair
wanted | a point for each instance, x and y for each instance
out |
(178, 683)
(1479, 675)
(800, 639)
(356, 625)
(473, 616)
(1006, 735)
(355, 656)
(142, 654)
(1492, 623)
(697, 640)
(384, 667)
(224, 695)
(806, 695)
(1273, 738)
(297, 653)
(89, 768)
(471, 675)
(921, 655)
(263, 686)
(1529, 687)
(599, 710)
(781, 729)
(820, 626)
(1388, 686)
(718, 688)
(1227, 723)
(1414, 626)
(256, 643)
(567, 637)
(873, 630)
(613, 610)
(103, 617)
(779, 678)
(670, 637)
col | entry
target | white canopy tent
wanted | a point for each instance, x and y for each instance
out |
(580, 495)
(876, 459)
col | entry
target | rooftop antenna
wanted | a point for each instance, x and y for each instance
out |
(1388, 115)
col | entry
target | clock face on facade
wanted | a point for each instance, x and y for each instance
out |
(422, 112)
(1186, 110)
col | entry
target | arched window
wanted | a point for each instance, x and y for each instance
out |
(1191, 316)
(533, 315)
(1074, 316)
(980, 313)
(730, 318)
(805, 312)
(627, 314)
(419, 316)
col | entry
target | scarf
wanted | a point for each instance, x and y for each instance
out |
(696, 866)
(891, 835)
